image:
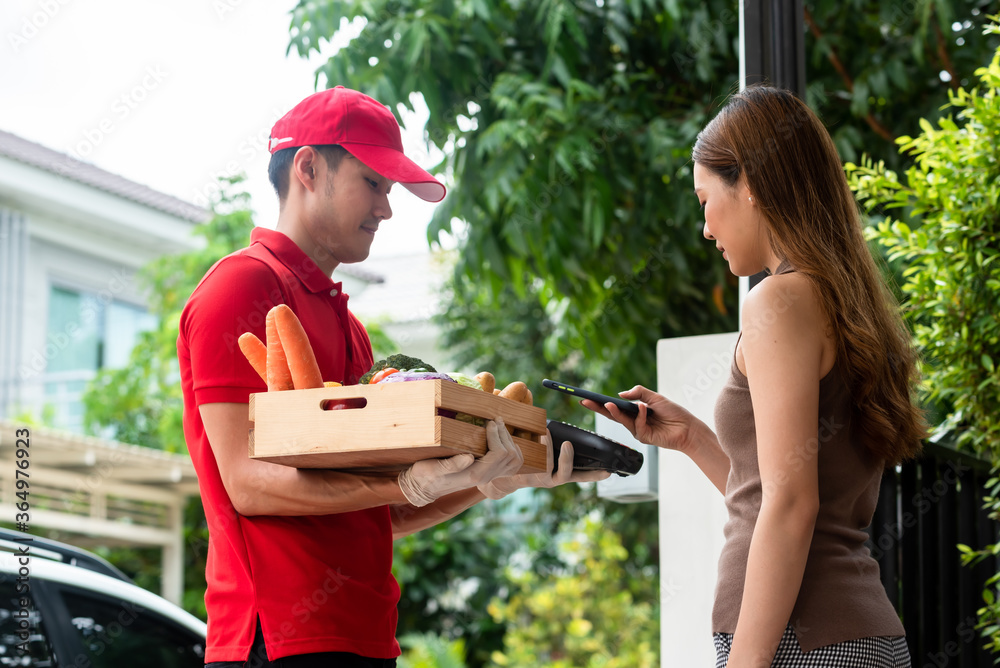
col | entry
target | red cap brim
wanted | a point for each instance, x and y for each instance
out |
(395, 166)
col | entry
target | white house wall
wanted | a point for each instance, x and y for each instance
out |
(74, 236)
(83, 216)
(62, 266)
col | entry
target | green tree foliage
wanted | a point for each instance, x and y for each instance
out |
(941, 223)
(945, 233)
(449, 573)
(580, 617)
(430, 651)
(876, 68)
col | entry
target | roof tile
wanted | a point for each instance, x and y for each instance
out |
(36, 155)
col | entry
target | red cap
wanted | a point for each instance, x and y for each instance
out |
(363, 126)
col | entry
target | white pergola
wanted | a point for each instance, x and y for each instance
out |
(103, 492)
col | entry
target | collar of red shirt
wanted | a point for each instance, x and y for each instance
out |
(294, 258)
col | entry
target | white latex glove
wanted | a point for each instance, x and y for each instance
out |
(430, 479)
(501, 487)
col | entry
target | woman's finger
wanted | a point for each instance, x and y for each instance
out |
(594, 406)
(637, 392)
(640, 419)
(621, 418)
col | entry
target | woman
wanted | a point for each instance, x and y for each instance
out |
(818, 402)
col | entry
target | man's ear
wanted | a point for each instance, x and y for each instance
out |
(306, 168)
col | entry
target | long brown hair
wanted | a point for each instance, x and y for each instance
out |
(773, 141)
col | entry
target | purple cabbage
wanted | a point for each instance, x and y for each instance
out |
(406, 376)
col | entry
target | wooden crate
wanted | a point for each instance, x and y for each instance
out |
(398, 426)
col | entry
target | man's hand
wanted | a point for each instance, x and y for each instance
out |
(502, 486)
(430, 479)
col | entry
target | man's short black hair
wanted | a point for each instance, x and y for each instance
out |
(281, 165)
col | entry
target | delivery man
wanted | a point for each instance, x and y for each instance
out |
(299, 561)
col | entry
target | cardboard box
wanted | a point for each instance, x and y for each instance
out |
(398, 425)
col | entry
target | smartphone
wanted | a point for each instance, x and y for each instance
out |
(623, 405)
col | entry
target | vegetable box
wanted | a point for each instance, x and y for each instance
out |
(399, 423)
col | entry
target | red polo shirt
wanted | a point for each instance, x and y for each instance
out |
(318, 583)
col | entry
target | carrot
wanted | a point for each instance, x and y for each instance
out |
(278, 375)
(256, 353)
(298, 352)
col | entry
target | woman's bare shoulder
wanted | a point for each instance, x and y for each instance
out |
(785, 304)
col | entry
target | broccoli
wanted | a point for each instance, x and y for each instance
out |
(397, 361)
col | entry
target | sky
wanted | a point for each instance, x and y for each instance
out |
(172, 94)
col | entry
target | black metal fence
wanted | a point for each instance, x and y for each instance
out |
(926, 508)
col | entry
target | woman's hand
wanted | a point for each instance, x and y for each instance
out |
(664, 424)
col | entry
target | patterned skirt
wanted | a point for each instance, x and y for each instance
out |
(880, 652)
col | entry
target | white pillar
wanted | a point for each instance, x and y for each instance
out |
(690, 371)
(13, 273)
(172, 559)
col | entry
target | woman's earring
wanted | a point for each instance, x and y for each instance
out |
(750, 198)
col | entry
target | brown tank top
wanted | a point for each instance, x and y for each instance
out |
(841, 597)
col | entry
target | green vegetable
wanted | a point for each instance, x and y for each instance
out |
(471, 419)
(397, 361)
(462, 379)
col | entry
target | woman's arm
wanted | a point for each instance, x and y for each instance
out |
(786, 352)
(670, 426)
(705, 451)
